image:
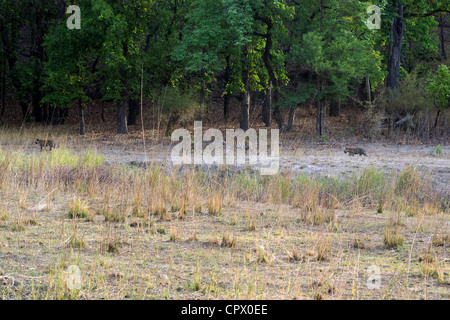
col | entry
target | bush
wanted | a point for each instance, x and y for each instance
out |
(411, 98)
(178, 108)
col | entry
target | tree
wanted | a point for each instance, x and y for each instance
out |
(439, 89)
(218, 36)
(107, 52)
(71, 67)
(240, 37)
(395, 47)
(273, 15)
(25, 22)
(422, 13)
(335, 54)
(121, 55)
(9, 34)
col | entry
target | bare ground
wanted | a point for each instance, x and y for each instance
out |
(322, 159)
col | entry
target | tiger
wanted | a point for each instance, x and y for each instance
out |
(45, 143)
(353, 151)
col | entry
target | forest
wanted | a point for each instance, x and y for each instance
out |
(279, 55)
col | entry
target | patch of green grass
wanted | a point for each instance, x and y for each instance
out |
(17, 226)
(92, 159)
(77, 209)
(439, 149)
(58, 157)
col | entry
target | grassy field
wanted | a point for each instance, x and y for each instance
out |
(160, 233)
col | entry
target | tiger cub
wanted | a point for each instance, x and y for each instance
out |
(45, 143)
(353, 151)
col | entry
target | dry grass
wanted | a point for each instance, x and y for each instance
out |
(392, 237)
(174, 234)
(432, 267)
(229, 241)
(77, 209)
(294, 255)
(215, 203)
(323, 247)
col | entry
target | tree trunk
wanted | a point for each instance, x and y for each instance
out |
(63, 114)
(122, 105)
(103, 111)
(60, 115)
(245, 111)
(133, 111)
(445, 127)
(335, 108)
(203, 93)
(277, 115)
(442, 36)
(226, 97)
(81, 111)
(25, 110)
(122, 117)
(395, 48)
(3, 87)
(321, 109)
(369, 90)
(35, 102)
(61, 10)
(226, 106)
(267, 107)
(290, 125)
(173, 120)
(273, 79)
(53, 115)
(320, 124)
(437, 119)
(45, 116)
(38, 31)
(245, 104)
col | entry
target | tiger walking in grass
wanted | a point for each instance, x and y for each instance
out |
(353, 151)
(45, 143)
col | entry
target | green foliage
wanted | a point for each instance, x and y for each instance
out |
(70, 54)
(411, 98)
(22, 51)
(439, 87)
(58, 158)
(330, 48)
(420, 41)
(186, 44)
(107, 49)
(175, 102)
(299, 95)
(438, 149)
(219, 29)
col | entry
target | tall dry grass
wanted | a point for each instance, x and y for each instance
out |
(158, 190)
(88, 188)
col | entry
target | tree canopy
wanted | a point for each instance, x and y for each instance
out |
(290, 52)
